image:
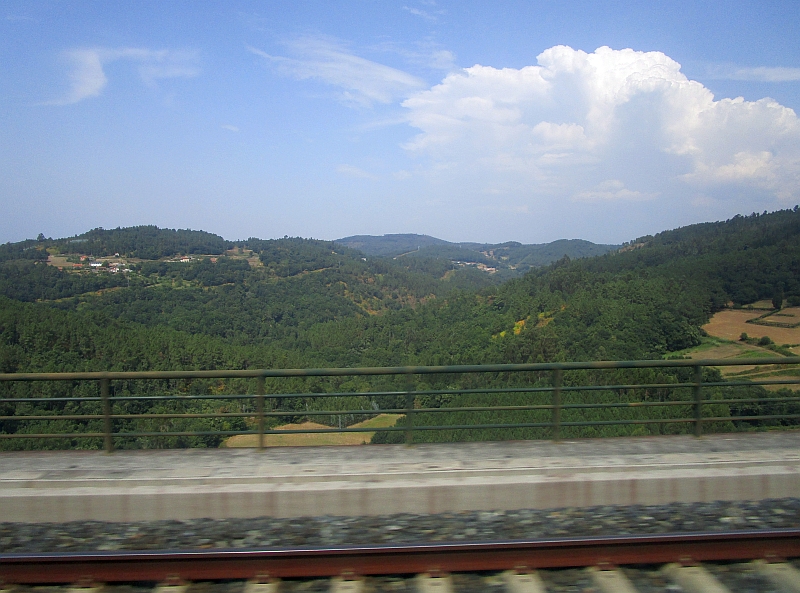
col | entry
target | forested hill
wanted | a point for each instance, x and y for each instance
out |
(245, 292)
(647, 300)
(741, 260)
(506, 257)
(331, 305)
(146, 242)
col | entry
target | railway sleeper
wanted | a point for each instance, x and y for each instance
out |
(523, 582)
(694, 579)
(611, 580)
(780, 576)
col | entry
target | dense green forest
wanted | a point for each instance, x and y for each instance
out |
(294, 303)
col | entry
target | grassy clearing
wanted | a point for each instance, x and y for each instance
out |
(720, 348)
(58, 261)
(757, 354)
(315, 440)
(764, 305)
(713, 347)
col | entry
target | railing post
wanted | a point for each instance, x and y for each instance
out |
(108, 442)
(260, 411)
(410, 388)
(557, 376)
(698, 401)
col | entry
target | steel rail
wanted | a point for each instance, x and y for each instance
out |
(117, 420)
(193, 565)
(407, 370)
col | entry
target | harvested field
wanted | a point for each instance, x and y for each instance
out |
(777, 387)
(730, 323)
(314, 440)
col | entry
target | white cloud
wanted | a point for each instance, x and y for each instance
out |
(88, 79)
(353, 171)
(362, 81)
(230, 128)
(611, 125)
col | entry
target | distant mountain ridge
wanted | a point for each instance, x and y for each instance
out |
(510, 255)
(390, 245)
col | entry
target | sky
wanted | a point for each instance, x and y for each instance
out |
(466, 120)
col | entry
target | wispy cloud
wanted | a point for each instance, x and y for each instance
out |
(18, 18)
(230, 127)
(88, 79)
(362, 82)
(353, 171)
(754, 74)
(86, 76)
(429, 14)
(427, 54)
(420, 13)
(612, 190)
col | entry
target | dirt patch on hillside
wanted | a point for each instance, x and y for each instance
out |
(314, 440)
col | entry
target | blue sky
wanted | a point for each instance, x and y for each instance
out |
(469, 121)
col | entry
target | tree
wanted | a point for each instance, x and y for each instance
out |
(777, 297)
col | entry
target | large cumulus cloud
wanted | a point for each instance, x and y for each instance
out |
(613, 125)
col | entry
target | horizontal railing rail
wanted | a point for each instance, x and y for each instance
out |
(708, 401)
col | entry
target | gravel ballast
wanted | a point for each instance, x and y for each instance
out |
(267, 532)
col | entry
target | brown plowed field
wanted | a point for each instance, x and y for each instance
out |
(730, 323)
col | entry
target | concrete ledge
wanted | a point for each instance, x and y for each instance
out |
(341, 498)
(142, 486)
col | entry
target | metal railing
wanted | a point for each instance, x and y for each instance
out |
(683, 389)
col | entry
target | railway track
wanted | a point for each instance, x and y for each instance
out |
(515, 566)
